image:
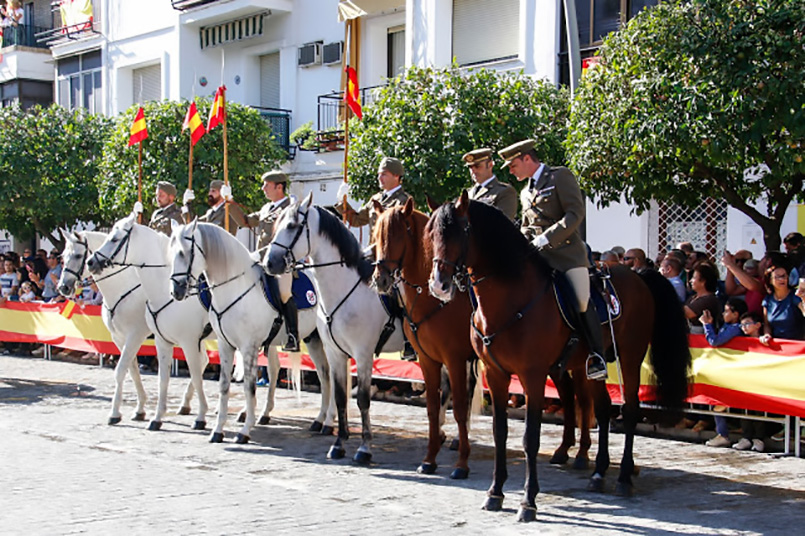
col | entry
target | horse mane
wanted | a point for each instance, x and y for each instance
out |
(219, 252)
(331, 228)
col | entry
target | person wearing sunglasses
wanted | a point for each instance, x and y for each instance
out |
(782, 308)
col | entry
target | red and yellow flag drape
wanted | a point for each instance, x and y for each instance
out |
(218, 111)
(138, 129)
(193, 122)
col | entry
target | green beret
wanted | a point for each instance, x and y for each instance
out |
(518, 149)
(274, 176)
(216, 184)
(392, 165)
(167, 187)
(478, 155)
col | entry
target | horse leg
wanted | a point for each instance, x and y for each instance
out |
(249, 388)
(535, 398)
(630, 412)
(324, 421)
(273, 377)
(197, 360)
(165, 358)
(338, 372)
(445, 398)
(499, 391)
(603, 405)
(564, 386)
(127, 362)
(226, 354)
(585, 405)
(458, 378)
(364, 452)
(431, 372)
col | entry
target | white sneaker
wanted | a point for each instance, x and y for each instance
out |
(743, 444)
(758, 445)
(719, 441)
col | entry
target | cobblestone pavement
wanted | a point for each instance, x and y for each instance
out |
(67, 472)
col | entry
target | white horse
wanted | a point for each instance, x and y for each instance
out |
(241, 315)
(351, 316)
(173, 323)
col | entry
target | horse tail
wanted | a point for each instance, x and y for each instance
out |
(670, 353)
(240, 369)
(296, 373)
(476, 388)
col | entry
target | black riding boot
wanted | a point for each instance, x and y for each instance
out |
(591, 328)
(291, 316)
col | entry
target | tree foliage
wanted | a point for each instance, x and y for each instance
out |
(252, 150)
(49, 159)
(429, 118)
(687, 98)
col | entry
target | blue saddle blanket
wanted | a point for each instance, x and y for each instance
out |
(564, 294)
(304, 293)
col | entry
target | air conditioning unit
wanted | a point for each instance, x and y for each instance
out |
(331, 53)
(309, 54)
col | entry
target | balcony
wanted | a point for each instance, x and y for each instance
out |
(23, 35)
(280, 121)
(79, 28)
(331, 107)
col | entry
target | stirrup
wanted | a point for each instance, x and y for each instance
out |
(292, 344)
(594, 371)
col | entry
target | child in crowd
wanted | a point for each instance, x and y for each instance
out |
(752, 431)
(27, 293)
(9, 280)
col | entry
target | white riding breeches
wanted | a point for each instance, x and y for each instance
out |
(285, 281)
(580, 279)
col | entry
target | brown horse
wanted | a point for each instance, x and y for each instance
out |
(517, 328)
(402, 262)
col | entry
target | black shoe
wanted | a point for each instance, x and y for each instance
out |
(408, 352)
(291, 345)
(596, 367)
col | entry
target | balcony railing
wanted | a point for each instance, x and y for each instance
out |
(331, 107)
(61, 32)
(181, 5)
(23, 35)
(280, 121)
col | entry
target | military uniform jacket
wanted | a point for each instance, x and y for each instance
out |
(264, 220)
(367, 215)
(556, 208)
(498, 194)
(161, 218)
(216, 215)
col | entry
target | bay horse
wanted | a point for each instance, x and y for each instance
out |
(517, 328)
(401, 263)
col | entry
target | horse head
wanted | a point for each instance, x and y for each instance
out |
(115, 248)
(74, 258)
(393, 238)
(288, 245)
(187, 258)
(447, 238)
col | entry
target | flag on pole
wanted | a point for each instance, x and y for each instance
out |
(352, 94)
(218, 113)
(69, 309)
(76, 15)
(193, 122)
(138, 130)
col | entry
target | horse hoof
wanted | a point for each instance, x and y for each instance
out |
(315, 426)
(559, 458)
(335, 453)
(493, 504)
(426, 468)
(114, 420)
(623, 489)
(454, 444)
(596, 484)
(199, 425)
(362, 458)
(327, 430)
(242, 417)
(527, 514)
(459, 473)
(265, 419)
(217, 437)
(581, 463)
(139, 416)
(155, 426)
(184, 410)
(241, 439)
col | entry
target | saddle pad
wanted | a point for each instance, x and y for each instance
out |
(564, 293)
(302, 289)
(204, 293)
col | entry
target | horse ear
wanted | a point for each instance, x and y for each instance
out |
(409, 207)
(432, 203)
(463, 203)
(65, 234)
(377, 207)
(308, 201)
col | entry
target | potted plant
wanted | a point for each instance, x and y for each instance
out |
(305, 137)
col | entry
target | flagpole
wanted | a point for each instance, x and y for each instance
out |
(140, 179)
(226, 162)
(346, 118)
(186, 216)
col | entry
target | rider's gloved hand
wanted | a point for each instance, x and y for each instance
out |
(138, 208)
(541, 242)
(188, 196)
(226, 192)
(343, 190)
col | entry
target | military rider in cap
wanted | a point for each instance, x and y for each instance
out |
(553, 209)
(168, 214)
(218, 196)
(275, 184)
(488, 189)
(389, 176)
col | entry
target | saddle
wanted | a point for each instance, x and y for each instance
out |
(304, 294)
(602, 294)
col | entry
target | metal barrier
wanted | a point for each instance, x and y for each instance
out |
(331, 107)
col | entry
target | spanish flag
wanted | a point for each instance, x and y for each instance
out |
(218, 112)
(69, 309)
(352, 95)
(138, 130)
(193, 122)
(76, 15)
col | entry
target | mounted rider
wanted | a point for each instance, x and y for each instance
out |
(487, 188)
(275, 185)
(553, 209)
(218, 196)
(168, 215)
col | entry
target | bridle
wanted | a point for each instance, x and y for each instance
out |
(190, 280)
(461, 275)
(107, 261)
(289, 257)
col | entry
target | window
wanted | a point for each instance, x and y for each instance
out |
(485, 30)
(396, 51)
(79, 82)
(270, 80)
(147, 84)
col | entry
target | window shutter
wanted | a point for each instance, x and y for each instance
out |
(270, 80)
(485, 30)
(147, 84)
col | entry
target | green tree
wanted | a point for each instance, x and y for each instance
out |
(428, 118)
(252, 150)
(695, 99)
(49, 160)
